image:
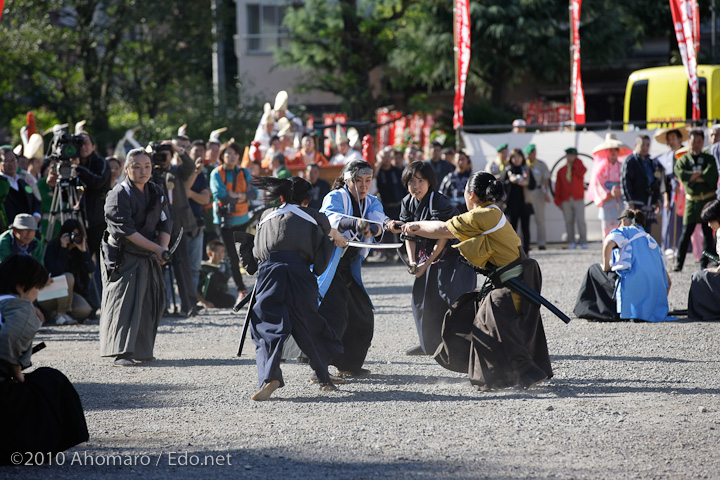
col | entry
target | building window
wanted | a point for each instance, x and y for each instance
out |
(265, 29)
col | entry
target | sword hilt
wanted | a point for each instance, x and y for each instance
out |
(165, 256)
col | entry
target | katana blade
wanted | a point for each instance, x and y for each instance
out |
(177, 242)
(374, 245)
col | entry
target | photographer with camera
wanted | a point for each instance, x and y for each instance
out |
(173, 178)
(68, 254)
(94, 173)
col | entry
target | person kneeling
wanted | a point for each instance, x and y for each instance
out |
(43, 412)
(643, 282)
(68, 254)
(704, 295)
(212, 289)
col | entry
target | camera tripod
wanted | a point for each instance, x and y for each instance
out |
(65, 205)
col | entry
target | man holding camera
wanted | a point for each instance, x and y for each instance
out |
(173, 178)
(94, 173)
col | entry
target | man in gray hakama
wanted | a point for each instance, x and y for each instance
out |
(133, 286)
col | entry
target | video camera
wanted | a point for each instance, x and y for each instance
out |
(64, 148)
(158, 155)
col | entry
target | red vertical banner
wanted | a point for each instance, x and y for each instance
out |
(328, 133)
(462, 54)
(399, 130)
(383, 133)
(686, 20)
(427, 128)
(577, 88)
(2, 4)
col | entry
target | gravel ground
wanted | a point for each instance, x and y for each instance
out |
(628, 400)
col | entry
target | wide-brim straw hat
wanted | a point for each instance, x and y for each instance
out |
(611, 142)
(661, 135)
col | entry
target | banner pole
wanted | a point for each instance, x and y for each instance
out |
(572, 62)
(456, 51)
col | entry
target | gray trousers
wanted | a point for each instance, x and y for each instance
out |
(574, 213)
(538, 203)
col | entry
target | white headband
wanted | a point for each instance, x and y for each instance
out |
(362, 171)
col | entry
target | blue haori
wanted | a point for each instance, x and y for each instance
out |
(336, 205)
(641, 289)
(282, 308)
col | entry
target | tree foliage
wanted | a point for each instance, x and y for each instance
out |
(110, 59)
(339, 44)
(510, 39)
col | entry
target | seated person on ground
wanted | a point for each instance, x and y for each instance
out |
(67, 254)
(643, 282)
(43, 412)
(214, 275)
(704, 295)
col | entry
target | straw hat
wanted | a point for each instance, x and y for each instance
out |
(661, 135)
(281, 100)
(610, 142)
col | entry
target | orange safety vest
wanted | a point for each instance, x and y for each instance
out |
(238, 185)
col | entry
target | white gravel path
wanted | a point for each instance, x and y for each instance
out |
(628, 400)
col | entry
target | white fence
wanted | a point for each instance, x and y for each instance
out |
(551, 146)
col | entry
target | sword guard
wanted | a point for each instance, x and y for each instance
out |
(166, 256)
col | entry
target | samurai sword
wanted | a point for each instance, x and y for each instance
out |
(351, 243)
(356, 218)
(237, 308)
(517, 286)
(167, 254)
(712, 257)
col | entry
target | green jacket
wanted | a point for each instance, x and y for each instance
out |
(283, 172)
(684, 169)
(8, 247)
(4, 190)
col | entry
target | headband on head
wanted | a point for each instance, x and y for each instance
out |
(361, 171)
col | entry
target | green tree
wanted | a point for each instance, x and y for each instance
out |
(111, 59)
(339, 44)
(510, 39)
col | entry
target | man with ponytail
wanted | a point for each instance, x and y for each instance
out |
(498, 337)
(345, 303)
(291, 244)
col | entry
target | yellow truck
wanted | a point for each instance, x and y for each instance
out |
(660, 97)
